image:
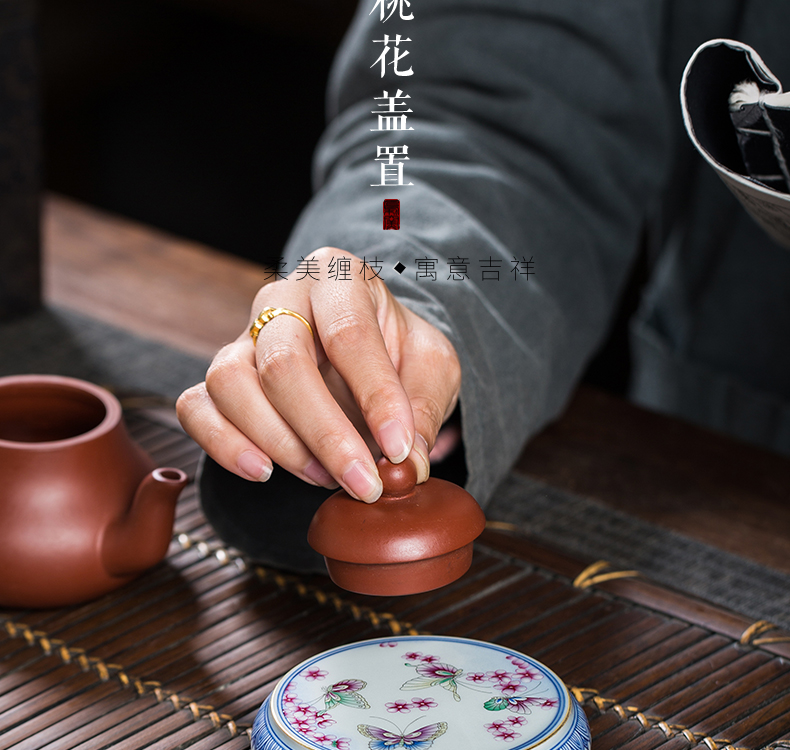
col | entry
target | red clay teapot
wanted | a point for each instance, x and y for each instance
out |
(82, 508)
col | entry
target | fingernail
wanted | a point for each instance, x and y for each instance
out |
(317, 474)
(394, 441)
(254, 466)
(423, 463)
(361, 483)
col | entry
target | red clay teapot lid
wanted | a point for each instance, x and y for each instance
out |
(410, 523)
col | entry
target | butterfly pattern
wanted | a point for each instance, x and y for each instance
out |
(419, 739)
(432, 674)
(345, 693)
(515, 703)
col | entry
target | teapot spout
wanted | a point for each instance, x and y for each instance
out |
(140, 538)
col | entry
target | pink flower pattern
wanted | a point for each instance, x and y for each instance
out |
(424, 704)
(311, 722)
(315, 674)
(502, 730)
(524, 669)
(303, 725)
(303, 711)
(399, 707)
(507, 734)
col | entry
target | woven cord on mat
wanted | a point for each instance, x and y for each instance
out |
(58, 649)
(753, 635)
(105, 671)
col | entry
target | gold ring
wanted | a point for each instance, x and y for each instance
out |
(270, 313)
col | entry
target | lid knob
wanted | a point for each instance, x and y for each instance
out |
(398, 479)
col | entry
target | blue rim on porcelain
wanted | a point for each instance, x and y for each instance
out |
(464, 694)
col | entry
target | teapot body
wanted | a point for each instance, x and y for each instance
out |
(68, 471)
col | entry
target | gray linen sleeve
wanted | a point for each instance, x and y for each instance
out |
(539, 133)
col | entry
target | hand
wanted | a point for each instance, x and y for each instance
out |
(375, 379)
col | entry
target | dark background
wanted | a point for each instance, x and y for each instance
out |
(196, 116)
(200, 117)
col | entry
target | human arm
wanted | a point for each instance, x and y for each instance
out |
(540, 132)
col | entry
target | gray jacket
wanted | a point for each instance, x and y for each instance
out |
(550, 130)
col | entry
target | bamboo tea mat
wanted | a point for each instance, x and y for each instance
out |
(184, 656)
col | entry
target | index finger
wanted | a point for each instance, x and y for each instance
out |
(293, 385)
(360, 327)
